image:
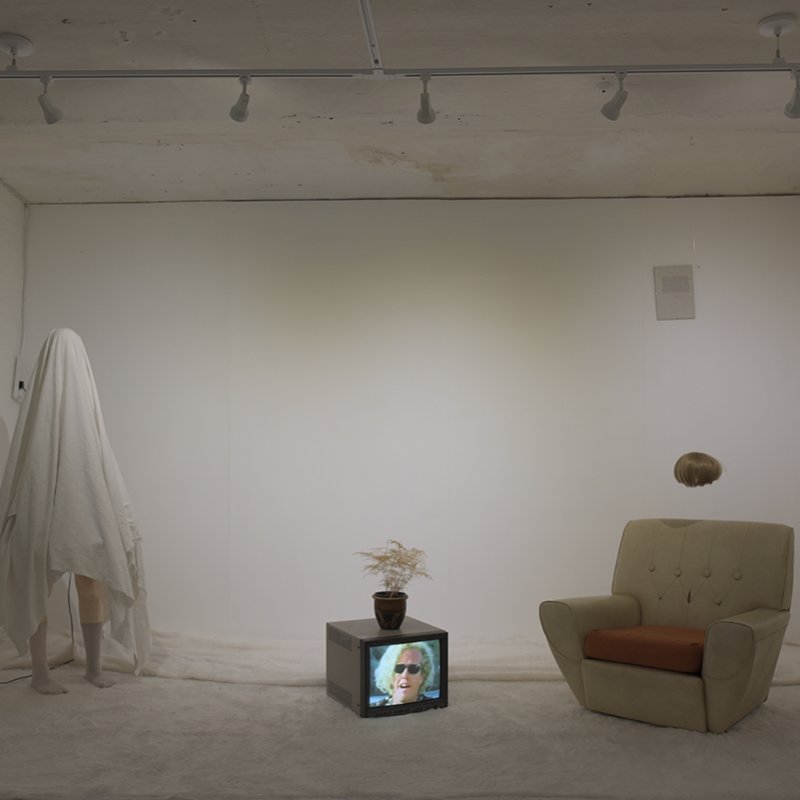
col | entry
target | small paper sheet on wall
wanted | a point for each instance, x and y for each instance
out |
(674, 292)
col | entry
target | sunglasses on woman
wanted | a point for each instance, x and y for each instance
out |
(412, 668)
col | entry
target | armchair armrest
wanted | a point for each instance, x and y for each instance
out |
(731, 642)
(739, 661)
(566, 622)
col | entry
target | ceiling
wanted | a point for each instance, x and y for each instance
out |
(171, 139)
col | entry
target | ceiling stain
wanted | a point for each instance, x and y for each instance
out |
(171, 13)
(437, 172)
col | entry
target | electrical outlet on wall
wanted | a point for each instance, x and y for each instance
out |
(20, 387)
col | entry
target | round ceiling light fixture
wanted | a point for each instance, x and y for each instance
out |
(15, 45)
(777, 24)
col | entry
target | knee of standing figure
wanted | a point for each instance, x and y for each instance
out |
(91, 599)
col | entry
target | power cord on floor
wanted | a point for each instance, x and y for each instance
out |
(71, 633)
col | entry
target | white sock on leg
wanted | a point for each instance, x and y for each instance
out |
(92, 639)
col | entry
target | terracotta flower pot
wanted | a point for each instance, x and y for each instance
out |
(390, 609)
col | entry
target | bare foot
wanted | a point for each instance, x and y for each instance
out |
(48, 686)
(99, 680)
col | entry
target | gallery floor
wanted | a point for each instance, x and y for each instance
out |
(255, 722)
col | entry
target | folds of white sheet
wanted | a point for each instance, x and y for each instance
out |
(64, 506)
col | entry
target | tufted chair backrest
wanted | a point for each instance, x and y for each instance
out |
(693, 572)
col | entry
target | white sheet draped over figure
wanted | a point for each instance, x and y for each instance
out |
(64, 506)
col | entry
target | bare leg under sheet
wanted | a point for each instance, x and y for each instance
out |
(91, 604)
(41, 680)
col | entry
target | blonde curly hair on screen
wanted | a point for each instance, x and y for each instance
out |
(697, 469)
(384, 672)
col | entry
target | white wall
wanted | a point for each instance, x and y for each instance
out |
(12, 216)
(286, 383)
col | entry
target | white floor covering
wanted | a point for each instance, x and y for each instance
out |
(301, 662)
(507, 736)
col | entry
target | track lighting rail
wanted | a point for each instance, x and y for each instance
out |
(776, 25)
(406, 72)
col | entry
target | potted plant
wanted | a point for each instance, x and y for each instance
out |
(396, 565)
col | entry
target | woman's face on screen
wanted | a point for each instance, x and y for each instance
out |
(405, 683)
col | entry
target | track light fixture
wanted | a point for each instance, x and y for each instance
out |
(51, 112)
(792, 108)
(239, 112)
(612, 108)
(426, 114)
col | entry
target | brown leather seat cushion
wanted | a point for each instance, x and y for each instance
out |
(659, 646)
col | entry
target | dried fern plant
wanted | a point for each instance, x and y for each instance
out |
(396, 565)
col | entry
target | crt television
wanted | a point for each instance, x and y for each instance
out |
(382, 673)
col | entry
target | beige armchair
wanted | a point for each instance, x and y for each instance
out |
(690, 635)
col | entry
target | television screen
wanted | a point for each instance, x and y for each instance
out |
(405, 673)
(380, 673)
